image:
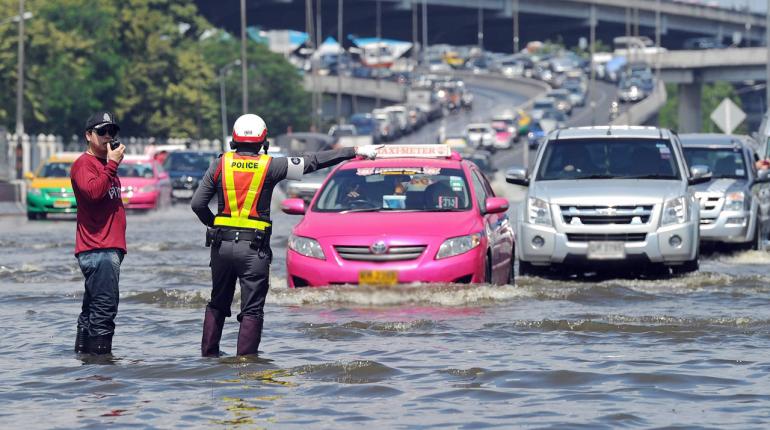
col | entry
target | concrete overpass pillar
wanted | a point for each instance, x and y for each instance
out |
(689, 108)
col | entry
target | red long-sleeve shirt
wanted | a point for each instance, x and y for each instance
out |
(101, 216)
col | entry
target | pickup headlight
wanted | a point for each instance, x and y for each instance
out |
(675, 211)
(538, 212)
(458, 245)
(735, 201)
(35, 192)
(306, 246)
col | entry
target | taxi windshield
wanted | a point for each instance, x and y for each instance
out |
(414, 189)
(723, 162)
(55, 170)
(608, 159)
(135, 170)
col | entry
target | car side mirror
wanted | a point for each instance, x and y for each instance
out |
(293, 206)
(699, 174)
(517, 176)
(496, 205)
(163, 175)
(29, 175)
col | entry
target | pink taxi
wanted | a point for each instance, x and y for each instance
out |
(144, 183)
(418, 213)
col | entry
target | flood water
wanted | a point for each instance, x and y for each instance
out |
(688, 352)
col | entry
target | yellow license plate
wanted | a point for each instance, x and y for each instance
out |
(377, 277)
(61, 204)
(125, 200)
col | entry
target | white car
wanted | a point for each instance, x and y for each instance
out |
(481, 135)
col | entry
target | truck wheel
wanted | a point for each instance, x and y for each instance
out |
(687, 267)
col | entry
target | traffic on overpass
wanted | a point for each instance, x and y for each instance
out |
(559, 214)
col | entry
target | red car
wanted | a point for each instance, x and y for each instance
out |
(144, 183)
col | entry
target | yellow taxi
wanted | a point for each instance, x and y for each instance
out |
(49, 189)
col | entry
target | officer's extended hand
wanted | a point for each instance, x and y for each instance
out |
(368, 151)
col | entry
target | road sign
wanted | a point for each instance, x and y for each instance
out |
(727, 116)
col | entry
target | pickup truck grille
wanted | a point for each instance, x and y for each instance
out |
(708, 203)
(594, 215)
(615, 237)
(394, 253)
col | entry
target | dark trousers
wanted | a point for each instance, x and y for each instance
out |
(101, 268)
(232, 261)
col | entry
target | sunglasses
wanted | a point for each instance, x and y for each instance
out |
(107, 129)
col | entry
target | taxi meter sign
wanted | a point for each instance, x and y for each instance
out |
(727, 116)
(414, 151)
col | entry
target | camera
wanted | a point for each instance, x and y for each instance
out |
(114, 144)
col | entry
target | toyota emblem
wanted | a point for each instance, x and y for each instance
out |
(379, 248)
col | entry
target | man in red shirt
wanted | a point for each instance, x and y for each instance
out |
(100, 239)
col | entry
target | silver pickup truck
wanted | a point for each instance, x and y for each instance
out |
(600, 196)
(735, 203)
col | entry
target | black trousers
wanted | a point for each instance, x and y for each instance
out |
(231, 261)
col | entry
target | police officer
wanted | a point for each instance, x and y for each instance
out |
(239, 235)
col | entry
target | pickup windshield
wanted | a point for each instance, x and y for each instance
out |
(414, 189)
(608, 159)
(723, 162)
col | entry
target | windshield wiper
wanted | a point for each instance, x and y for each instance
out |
(347, 211)
(445, 210)
(649, 177)
(598, 176)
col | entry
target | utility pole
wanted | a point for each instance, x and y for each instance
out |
(244, 66)
(339, 61)
(379, 40)
(591, 86)
(20, 95)
(424, 29)
(515, 26)
(767, 46)
(657, 41)
(318, 114)
(415, 37)
(480, 36)
(312, 46)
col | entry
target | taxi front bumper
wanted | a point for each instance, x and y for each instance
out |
(658, 246)
(305, 271)
(44, 203)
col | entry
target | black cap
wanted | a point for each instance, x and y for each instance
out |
(100, 119)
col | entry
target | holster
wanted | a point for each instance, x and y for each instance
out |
(261, 240)
(213, 237)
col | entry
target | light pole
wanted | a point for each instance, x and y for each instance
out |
(222, 99)
(20, 89)
(424, 30)
(480, 36)
(591, 87)
(339, 61)
(767, 46)
(378, 29)
(515, 26)
(244, 64)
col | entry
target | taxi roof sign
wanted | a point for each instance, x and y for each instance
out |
(414, 151)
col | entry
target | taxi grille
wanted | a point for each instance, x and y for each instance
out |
(615, 237)
(60, 194)
(594, 215)
(394, 253)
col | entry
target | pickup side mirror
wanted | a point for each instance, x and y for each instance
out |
(699, 174)
(496, 205)
(763, 176)
(517, 176)
(293, 206)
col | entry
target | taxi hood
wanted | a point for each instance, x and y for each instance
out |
(51, 183)
(606, 191)
(404, 224)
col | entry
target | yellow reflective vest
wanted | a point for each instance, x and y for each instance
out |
(243, 177)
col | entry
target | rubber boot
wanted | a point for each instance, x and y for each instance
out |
(213, 321)
(249, 335)
(81, 341)
(100, 345)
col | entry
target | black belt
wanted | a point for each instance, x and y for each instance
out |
(236, 235)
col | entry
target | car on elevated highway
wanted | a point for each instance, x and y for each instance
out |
(735, 203)
(599, 197)
(418, 213)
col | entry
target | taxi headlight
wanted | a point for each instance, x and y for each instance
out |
(458, 245)
(675, 211)
(735, 201)
(538, 212)
(306, 246)
(35, 192)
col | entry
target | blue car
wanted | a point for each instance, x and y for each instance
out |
(536, 135)
(366, 125)
(186, 169)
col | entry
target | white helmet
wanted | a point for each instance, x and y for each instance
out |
(249, 128)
